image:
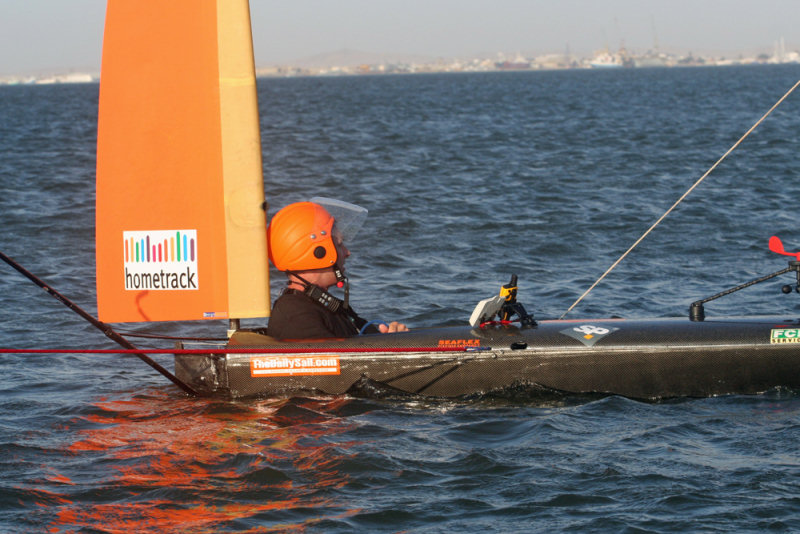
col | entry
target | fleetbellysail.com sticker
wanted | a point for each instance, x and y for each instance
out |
(161, 260)
(294, 365)
(784, 335)
(588, 334)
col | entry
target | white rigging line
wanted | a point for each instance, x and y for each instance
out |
(675, 205)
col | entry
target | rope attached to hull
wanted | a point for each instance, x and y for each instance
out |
(675, 205)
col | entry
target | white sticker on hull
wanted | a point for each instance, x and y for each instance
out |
(588, 334)
(266, 366)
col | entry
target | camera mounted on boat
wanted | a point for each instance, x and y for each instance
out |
(504, 306)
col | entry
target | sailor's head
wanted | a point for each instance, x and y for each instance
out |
(305, 236)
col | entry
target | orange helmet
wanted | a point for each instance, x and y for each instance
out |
(299, 238)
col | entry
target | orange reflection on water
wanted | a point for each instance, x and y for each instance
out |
(162, 516)
(163, 464)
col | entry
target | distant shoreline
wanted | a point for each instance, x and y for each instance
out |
(384, 70)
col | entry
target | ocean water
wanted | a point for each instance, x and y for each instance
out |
(468, 178)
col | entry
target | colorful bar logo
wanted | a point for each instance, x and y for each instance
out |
(294, 365)
(160, 260)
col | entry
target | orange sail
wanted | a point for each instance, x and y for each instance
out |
(180, 195)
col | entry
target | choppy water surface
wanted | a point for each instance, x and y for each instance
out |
(468, 178)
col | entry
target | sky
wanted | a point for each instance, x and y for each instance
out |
(54, 36)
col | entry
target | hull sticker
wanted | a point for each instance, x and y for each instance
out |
(454, 343)
(588, 334)
(294, 365)
(784, 335)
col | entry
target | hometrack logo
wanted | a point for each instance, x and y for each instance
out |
(160, 260)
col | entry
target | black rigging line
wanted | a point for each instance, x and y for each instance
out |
(107, 330)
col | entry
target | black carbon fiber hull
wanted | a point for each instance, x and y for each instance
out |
(644, 359)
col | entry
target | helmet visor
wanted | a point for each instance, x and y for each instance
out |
(349, 217)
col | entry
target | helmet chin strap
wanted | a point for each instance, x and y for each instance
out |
(321, 296)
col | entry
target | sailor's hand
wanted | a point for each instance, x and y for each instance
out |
(394, 326)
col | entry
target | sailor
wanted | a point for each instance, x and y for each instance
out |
(308, 243)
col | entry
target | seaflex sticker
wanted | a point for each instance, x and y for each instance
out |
(457, 343)
(588, 334)
(784, 335)
(305, 365)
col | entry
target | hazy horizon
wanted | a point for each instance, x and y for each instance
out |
(56, 36)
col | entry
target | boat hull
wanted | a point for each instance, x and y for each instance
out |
(643, 359)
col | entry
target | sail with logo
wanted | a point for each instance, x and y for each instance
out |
(180, 196)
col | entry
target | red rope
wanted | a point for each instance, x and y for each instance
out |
(234, 351)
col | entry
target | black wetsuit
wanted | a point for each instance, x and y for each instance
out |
(297, 316)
